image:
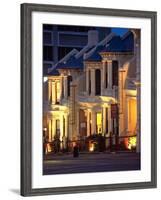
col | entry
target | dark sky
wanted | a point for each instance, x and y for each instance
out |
(119, 31)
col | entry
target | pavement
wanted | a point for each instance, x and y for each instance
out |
(91, 162)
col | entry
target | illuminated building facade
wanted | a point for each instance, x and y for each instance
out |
(95, 91)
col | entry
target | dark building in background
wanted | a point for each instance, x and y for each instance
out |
(59, 40)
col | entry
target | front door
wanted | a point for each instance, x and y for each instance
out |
(58, 128)
(82, 123)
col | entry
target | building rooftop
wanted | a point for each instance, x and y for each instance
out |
(111, 43)
(117, 44)
(71, 63)
(95, 56)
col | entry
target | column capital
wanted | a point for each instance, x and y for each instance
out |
(137, 83)
(104, 61)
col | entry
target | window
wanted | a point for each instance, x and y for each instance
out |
(74, 28)
(69, 80)
(82, 123)
(48, 53)
(114, 73)
(74, 40)
(97, 82)
(89, 78)
(106, 75)
(62, 87)
(47, 37)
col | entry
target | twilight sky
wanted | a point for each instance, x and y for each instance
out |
(119, 31)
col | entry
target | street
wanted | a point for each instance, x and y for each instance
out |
(91, 162)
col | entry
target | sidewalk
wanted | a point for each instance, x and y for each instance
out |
(68, 155)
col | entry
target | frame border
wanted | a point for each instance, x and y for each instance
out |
(26, 96)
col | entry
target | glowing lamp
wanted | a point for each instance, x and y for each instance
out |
(48, 148)
(45, 78)
(91, 147)
(132, 143)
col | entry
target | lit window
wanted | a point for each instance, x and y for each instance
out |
(99, 122)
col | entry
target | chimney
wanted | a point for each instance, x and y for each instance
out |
(93, 37)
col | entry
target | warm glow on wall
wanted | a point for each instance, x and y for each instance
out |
(132, 115)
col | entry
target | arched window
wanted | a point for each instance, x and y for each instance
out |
(114, 73)
(69, 81)
(106, 75)
(97, 82)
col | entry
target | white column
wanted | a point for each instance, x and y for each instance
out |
(65, 87)
(121, 99)
(77, 123)
(49, 90)
(53, 127)
(104, 74)
(61, 126)
(103, 78)
(49, 130)
(93, 121)
(109, 74)
(93, 82)
(66, 132)
(87, 81)
(61, 83)
(70, 135)
(53, 92)
(66, 125)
